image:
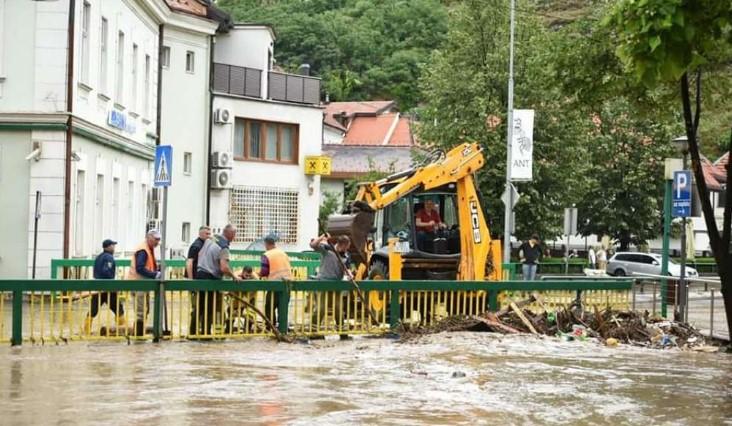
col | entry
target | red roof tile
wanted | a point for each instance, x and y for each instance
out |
(351, 109)
(711, 175)
(374, 130)
(194, 7)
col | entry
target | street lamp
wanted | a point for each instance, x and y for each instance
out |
(682, 145)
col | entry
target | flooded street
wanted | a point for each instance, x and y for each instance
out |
(459, 378)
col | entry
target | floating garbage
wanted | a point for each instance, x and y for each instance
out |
(607, 326)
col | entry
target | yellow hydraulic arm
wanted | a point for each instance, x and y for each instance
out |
(457, 166)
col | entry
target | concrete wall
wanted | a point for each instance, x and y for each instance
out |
(185, 118)
(123, 220)
(263, 174)
(332, 136)
(246, 46)
(14, 179)
(94, 102)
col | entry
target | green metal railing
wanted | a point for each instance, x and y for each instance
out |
(256, 254)
(175, 268)
(58, 309)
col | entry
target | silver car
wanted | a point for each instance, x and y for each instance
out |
(629, 263)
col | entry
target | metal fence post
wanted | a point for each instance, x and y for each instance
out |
(394, 309)
(711, 315)
(493, 300)
(283, 308)
(17, 338)
(633, 298)
(157, 312)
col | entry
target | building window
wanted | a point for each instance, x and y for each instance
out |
(115, 208)
(120, 76)
(134, 78)
(79, 211)
(165, 59)
(85, 22)
(99, 211)
(190, 59)
(187, 163)
(103, 48)
(265, 141)
(130, 217)
(146, 99)
(186, 232)
(259, 211)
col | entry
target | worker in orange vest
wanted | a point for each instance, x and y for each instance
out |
(275, 267)
(144, 266)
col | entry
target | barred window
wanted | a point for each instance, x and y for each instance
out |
(259, 211)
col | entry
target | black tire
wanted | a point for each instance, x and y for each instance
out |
(619, 273)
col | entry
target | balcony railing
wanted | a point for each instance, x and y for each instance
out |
(294, 88)
(236, 80)
(245, 81)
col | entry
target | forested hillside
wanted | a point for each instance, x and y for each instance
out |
(600, 138)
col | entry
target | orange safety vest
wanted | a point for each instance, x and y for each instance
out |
(279, 265)
(149, 264)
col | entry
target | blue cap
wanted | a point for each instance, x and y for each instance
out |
(106, 243)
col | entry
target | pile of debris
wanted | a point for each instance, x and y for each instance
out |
(608, 326)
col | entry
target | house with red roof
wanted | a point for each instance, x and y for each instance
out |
(364, 136)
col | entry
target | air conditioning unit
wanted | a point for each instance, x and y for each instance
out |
(220, 179)
(221, 160)
(222, 116)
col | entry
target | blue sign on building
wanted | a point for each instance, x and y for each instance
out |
(681, 196)
(163, 165)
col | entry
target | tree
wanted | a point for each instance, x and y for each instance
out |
(624, 197)
(330, 204)
(663, 41)
(465, 97)
(631, 135)
(362, 49)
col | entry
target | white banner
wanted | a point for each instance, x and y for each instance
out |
(522, 145)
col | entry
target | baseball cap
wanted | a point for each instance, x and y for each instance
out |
(106, 243)
(270, 238)
(154, 233)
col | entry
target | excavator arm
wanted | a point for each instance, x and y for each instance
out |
(457, 167)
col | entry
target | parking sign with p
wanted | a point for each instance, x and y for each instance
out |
(681, 198)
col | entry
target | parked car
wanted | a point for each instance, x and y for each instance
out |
(628, 263)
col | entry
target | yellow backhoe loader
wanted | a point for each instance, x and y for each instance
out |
(382, 223)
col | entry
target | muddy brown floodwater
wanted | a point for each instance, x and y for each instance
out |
(458, 378)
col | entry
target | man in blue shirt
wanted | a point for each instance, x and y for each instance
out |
(105, 268)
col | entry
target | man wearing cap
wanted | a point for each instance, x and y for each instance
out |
(275, 267)
(143, 266)
(105, 268)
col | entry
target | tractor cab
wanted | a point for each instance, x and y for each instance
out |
(429, 251)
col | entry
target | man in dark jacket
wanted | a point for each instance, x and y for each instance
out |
(530, 254)
(105, 268)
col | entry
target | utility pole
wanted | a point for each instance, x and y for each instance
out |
(507, 226)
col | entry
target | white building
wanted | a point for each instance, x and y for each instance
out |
(113, 126)
(270, 121)
(108, 106)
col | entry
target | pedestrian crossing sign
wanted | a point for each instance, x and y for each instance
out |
(163, 165)
(317, 165)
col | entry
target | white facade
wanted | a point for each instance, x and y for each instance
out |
(185, 125)
(267, 197)
(115, 102)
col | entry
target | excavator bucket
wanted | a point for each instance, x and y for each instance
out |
(357, 226)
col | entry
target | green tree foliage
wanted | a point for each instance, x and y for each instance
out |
(330, 204)
(465, 97)
(633, 129)
(363, 49)
(625, 184)
(674, 41)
